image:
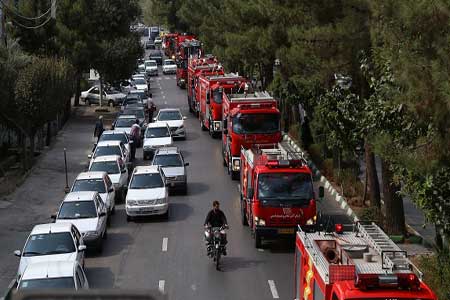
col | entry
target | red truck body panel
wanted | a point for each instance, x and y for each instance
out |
(188, 49)
(170, 44)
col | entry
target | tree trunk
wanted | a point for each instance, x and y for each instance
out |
(393, 203)
(372, 177)
(76, 101)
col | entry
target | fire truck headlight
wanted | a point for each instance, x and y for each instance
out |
(312, 221)
(260, 222)
(236, 165)
(216, 126)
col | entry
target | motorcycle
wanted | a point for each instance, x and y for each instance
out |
(215, 246)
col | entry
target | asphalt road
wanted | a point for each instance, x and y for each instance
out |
(152, 253)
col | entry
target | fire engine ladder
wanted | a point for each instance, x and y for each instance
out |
(393, 258)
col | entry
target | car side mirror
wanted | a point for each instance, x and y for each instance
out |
(81, 248)
(17, 253)
(154, 119)
(250, 193)
(53, 216)
(186, 164)
(89, 156)
(321, 192)
(111, 190)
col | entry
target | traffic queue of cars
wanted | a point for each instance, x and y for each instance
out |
(54, 253)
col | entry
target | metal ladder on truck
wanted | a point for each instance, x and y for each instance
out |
(393, 258)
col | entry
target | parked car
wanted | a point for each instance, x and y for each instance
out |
(141, 94)
(97, 182)
(169, 66)
(87, 211)
(124, 123)
(53, 275)
(140, 84)
(132, 99)
(117, 171)
(173, 167)
(150, 44)
(110, 148)
(51, 242)
(156, 135)
(116, 135)
(147, 193)
(110, 96)
(158, 40)
(156, 55)
(151, 68)
(175, 120)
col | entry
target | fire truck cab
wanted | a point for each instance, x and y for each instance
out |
(277, 192)
(197, 67)
(170, 44)
(362, 264)
(247, 119)
(186, 50)
(210, 94)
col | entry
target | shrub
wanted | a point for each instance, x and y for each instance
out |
(436, 273)
(327, 168)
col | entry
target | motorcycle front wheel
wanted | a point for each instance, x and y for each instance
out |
(217, 258)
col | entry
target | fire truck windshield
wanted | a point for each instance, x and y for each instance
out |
(217, 96)
(285, 186)
(256, 123)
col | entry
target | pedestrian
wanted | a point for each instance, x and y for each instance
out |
(151, 108)
(99, 128)
(135, 137)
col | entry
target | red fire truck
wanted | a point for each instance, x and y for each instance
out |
(362, 264)
(170, 44)
(248, 119)
(186, 50)
(210, 94)
(197, 66)
(277, 192)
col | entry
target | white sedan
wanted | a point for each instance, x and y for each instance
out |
(175, 120)
(169, 66)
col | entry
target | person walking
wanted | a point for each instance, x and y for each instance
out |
(135, 136)
(151, 108)
(99, 128)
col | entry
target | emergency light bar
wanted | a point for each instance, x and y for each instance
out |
(256, 105)
(407, 281)
(284, 163)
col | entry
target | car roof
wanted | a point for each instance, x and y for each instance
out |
(49, 269)
(136, 92)
(108, 143)
(51, 228)
(168, 150)
(107, 158)
(169, 60)
(157, 125)
(91, 175)
(126, 117)
(170, 109)
(80, 196)
(113, 132)
(146, 169)
(151, 60)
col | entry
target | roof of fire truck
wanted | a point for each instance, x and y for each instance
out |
(256, 96)
(274, 155)
(365, 250)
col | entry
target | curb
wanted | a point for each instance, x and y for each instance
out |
(9, 290)
(318, 176)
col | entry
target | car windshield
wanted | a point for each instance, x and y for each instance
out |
(151, 64)
(285, 186)
(169, 115)
(83, 185)
(169, 62)
(114, 137)
(168, 160)
(107, 150)
(140, 81)
(112, 91)
(77, 210)
(139, 93)
(146, 181)
(139, 113)
(48, 283)
(125, 122)
(217, 96)
(157, 132)
(110, 167)
(49, 243)
(256, 123)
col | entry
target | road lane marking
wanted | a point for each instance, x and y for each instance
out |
(161, 284)
(273, 289)
(164, 244)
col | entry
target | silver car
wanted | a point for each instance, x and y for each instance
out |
(173, 166)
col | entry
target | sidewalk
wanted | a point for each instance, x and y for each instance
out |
(414, 217)
(38, 197)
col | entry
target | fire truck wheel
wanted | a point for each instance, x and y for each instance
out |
(258, 242)
(202, 125)
(243, 215)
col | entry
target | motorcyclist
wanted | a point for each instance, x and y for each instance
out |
(216, 218)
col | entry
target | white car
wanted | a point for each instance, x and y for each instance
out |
(141, 94)
(88, 213)
(169, 66)
(124, 123)
(53, 275)
(158, 40)
(116, 135)
(147, 193)
(140, 84)
(117, 171)
(175, 120)
(156, 135)
(51, 242)
(110, 148)
(97, 182)
(92, 96)
(151, 67)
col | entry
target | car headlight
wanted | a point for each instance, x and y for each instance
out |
(311, 221)
(132, 202)
(160, 201)
(260, 222)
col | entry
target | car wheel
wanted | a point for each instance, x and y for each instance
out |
(88, 102)
(166, 215)
(105, 234)
(100, 247)
(129, 219)
(258, 242)
(113, 211)
(185, 190)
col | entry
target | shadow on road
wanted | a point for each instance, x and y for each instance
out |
(197, 188)
(233, 263)
(100, 277)
(192, 136)
(180, 211)
(116, 243)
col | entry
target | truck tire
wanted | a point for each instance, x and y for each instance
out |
(258, 242)
(243, 214)
(202, 125)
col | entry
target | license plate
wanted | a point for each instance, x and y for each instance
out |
(286, 231)
(145, 209)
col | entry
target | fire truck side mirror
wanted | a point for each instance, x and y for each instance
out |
(321, 192)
